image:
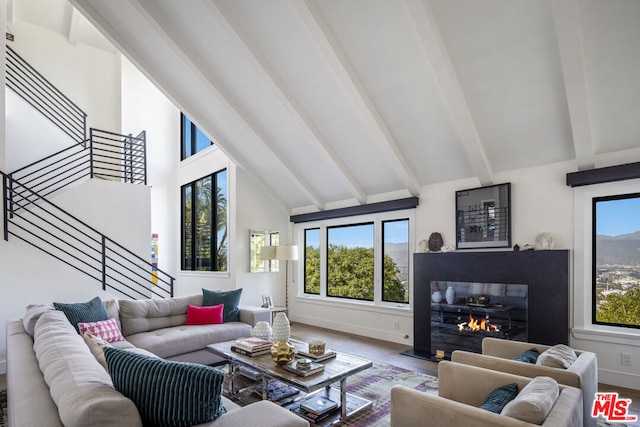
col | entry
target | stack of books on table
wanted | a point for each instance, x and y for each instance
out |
(315, 408)
(251, 346)
(317, 357)
(277, 391)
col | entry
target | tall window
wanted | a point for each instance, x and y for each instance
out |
(616, 260)
(204, 223)
(350, 261)
(192, 139)
(366, 261)
(312, 261)
(395, 260)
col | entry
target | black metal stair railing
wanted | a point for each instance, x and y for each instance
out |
(40, 223)
(36, 90)
(107, 155)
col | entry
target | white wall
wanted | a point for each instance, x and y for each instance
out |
(144, 107)
(88, 76)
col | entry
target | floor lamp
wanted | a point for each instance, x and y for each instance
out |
(286, 254)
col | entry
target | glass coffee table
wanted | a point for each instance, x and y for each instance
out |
(336, 370)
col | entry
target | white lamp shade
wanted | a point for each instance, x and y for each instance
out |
(287, 253)
(268, 252)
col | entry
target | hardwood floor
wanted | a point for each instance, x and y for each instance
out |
(388, 352)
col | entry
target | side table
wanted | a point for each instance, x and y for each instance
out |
(276, 310)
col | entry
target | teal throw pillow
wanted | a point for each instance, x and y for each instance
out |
(167, 393)
(499, 397)
(83, 312)
(529, 356)
(230, 299)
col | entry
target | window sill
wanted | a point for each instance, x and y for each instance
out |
(608, 334)
(388, 308)
(192, 158)
(218, 274)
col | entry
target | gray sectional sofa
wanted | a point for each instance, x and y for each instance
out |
(54, 380)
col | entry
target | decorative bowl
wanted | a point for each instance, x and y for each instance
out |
(316, 347)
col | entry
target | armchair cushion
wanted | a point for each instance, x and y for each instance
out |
(534, 402)
(499, 397)
(558, 356)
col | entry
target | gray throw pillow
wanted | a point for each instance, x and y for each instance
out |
(230, 299)
(85, 312)
(167, 393)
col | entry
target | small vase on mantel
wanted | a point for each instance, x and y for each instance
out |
(281, 329)
(450, 295)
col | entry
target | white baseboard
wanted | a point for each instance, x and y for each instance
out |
(619, 379)
(392, 336)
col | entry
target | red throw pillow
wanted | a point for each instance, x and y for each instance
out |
(204, 315)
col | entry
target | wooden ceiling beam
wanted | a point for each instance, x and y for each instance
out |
(450, 88)
(566, 16)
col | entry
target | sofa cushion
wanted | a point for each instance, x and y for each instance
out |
(230, 299)
(534, 402)
(167, 393)
(96, 345)
(499, 397)
(558, 356)
(151, 314)
(81, 389)
(204, 315)
(90, 311)
(106, 329)
(528, 356)
(169, 342)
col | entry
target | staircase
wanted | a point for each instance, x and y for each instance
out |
(30, 216)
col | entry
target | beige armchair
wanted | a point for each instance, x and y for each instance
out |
(497, 354)
(461, 391)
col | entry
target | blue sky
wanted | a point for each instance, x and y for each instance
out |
(615, 217)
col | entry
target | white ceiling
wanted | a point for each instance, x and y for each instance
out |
(339, 102)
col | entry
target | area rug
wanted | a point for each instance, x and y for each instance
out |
(375, 384)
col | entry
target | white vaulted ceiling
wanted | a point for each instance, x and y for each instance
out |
(341, 102)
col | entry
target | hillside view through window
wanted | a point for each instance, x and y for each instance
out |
(616, 260)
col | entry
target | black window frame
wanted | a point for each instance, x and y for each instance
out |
(326, 266)
(594, 264)
(382, 223)
(194, 133)
(213, 229)
(304, 267)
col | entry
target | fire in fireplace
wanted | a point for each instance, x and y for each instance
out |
(475, 325)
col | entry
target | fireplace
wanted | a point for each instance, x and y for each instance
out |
(477, 310)
(529, 290)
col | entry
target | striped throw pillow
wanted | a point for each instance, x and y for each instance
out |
(166, 393)
(91, 311)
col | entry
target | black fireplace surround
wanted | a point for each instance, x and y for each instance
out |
(545, 272)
